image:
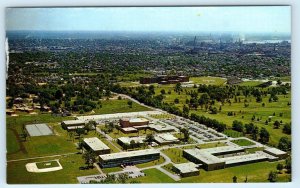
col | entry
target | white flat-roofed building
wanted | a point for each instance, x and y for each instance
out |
(161, 128)
(131, 142)
(209, 161)
(244, 159)
(165, 138)
(128, 158)
(186, 169)
(223, 150)
(276, 152)
(96, 145)
(72, 123)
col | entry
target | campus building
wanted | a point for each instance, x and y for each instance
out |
(96, 145)
(131, 122)
(164, 79)
(165, 138)
(186, 169)
(131, 142)
(128, 158)
(276, 153)
(208, 161)
(72, 124)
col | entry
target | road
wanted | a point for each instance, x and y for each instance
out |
(108, 138)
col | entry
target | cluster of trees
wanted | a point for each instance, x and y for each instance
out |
(219, 126)
(253, 130)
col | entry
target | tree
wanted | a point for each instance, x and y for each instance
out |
(178, 87)
(89, 157)
(79, 132)
(284, 144)
(279, 167)
(163, 92)
(123, 177)
(185, 111)
(129, 103)
(132, 143)
(276, 124)
(288, 164)
(287, 128)
(71, 135)
(254, 132)
(149, 138)
(237, 126)
(58, 94)
(234, 179)
(272, 176)
(264, 135)
(176, 101)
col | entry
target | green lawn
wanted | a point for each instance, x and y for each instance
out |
(154, 176)
(151, 163)
(233, 133)
(113, 169)
(212, 145)
(208, 80)
(243, 142)
(175, 154)
(12, 143)
(17, 173)
(119, 106)
(47, 164)
(256, 172)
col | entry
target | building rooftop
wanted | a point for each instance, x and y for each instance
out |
(95, 144)
(126, 129)
(138, 120)
(127, 140)
(186, 167)
(122, 155)
(275, 151)
(73, 122)
(158, 127)
(164, 138)
(244, 158)
(217, 150)
(205, 157)
(75, 127)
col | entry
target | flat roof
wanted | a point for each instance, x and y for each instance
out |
(137, 139)
(129, 129)
(275, 151)
(167, 137)
(38, 129)
(118, 115)
(161, 127)
(222, 149)
(127, 154)
(73, 122)
(205, 157)
(186, 167)
(244, 158)
(95, 144)
(138, 120)
(76, 127)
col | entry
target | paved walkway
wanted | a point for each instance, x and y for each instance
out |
(108, 138)
(30, 158)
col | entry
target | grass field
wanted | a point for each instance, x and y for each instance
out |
(256, 172)
(175, 154)
(12, 143)
(118, 106)
(208, 80)
(151, 163)
(17, 173)
(47, 164)
(212, 145)
(154, 176)
(233, 133)
(243, 142)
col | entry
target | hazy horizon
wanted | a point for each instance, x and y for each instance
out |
(214, 19)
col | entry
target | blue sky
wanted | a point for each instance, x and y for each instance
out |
(271, 19)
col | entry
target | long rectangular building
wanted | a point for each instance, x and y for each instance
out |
(96, 145)
(131, 157)
(209, 161)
